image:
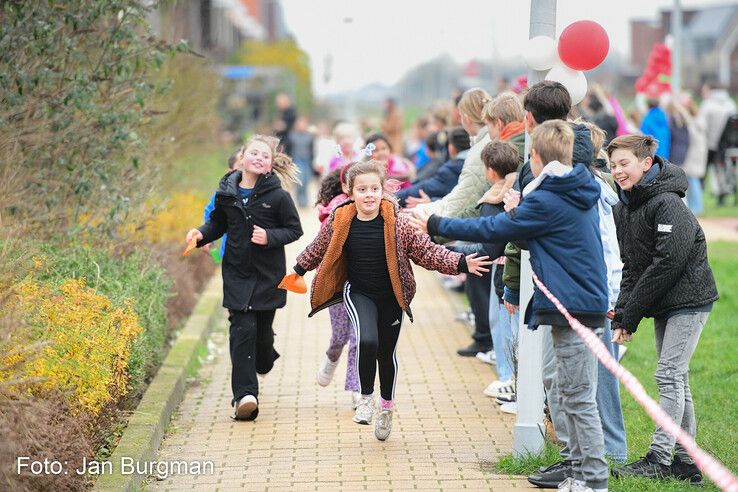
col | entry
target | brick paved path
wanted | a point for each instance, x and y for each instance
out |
(446, 432)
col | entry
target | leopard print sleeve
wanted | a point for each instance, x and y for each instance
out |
(312, 255)
(421, 250)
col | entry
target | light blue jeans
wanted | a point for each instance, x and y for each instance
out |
(694, 195)
(502, 332)
(608, 403)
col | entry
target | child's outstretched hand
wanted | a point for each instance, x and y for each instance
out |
(419, 220)
(294, 283)
(191, 239)
(511, 199)
(411, 201)
(476, 264)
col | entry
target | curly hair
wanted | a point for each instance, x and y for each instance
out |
(330, 187)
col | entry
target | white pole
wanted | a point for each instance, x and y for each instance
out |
(676, 54)
(529, 429)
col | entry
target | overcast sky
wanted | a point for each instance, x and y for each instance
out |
(379, 40)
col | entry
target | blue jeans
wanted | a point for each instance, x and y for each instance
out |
(694, 195)
(608, 404)
(501, 330)
(306, 172)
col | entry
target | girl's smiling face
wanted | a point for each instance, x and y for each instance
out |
(257, 158)
(367, 192)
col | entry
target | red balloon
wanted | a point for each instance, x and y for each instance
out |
(583, 45)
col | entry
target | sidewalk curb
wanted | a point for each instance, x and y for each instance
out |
(147, 425)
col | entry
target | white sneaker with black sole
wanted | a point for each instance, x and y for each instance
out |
(497, 388)
(364, 410)
(245, 407)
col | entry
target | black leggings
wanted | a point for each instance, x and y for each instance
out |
(377, 325)
(252, 350)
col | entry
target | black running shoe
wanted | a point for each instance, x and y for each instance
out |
(551, 476)
(686, 471)
(647, 467)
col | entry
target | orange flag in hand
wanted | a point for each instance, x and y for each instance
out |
(294, 283)
(190, 246)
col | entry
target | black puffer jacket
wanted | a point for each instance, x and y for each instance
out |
(663, 250)
(251, 272)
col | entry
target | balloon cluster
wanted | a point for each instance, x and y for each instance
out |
(583, 45)
(656, 78)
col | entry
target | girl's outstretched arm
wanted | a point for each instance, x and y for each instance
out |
(214, 228)
(312, 255)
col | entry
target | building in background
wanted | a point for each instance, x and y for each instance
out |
(709, 44)
(216, 28)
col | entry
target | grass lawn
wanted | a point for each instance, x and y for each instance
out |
(711, 207)
(713, 377)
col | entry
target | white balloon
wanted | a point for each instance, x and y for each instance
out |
(540, 53)
(574, 81)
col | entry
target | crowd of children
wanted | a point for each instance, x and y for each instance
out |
(608, 234)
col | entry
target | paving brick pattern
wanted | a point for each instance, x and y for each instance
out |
(446, 433)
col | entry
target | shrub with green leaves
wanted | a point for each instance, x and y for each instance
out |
(134, 277)
(75, 77)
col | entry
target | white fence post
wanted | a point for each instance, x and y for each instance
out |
(529, 432)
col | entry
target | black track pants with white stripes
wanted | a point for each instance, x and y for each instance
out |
(377, 326)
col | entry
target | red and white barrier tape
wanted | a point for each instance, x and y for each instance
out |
(711, 467)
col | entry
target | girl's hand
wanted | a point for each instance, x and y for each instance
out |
(419, 220)
(511, 308)
(411, 201)
(259, 236)
(511, 199)
(194, 233)
(476, 265)
(620, 335)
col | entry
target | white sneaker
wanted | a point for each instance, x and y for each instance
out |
(245, 407)
(571, 485)
(497, 388)
(326, 371)
(511, 408)
(621, 352)
(487, 357)
(355, 397)
(364, 410)
(383, 425)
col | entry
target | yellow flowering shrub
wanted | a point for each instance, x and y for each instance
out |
(182, 212)
(89, 342)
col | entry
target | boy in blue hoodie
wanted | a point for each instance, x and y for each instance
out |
(559, 220)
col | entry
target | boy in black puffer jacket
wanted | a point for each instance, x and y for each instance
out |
(666, 276)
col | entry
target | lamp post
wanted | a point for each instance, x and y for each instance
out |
(529, 431)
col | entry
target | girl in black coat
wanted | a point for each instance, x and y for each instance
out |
(260, 219)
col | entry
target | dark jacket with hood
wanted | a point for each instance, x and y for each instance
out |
(560, 222)
(663, 250)
(251, 272)
(583, 153)
(438, 185)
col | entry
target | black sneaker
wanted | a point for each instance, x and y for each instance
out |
(471, 350)
(686, 471)
(551, 476)
(647, 467)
